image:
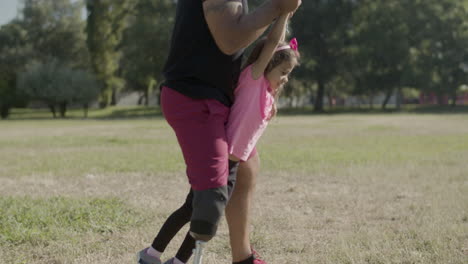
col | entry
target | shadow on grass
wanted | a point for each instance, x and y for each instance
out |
(129, 113)
(110, 113)
(460, 109)
(30, 114)
(137, 112)
(409, 109)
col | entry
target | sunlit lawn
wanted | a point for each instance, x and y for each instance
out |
(342, 188)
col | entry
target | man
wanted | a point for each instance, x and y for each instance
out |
(201, 72)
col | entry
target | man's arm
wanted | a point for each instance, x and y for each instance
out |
(233, 30)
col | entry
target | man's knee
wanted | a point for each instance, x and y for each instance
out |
(208, 208)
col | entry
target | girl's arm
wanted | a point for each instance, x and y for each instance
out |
(276, 35)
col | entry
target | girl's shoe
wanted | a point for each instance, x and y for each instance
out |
(144, 258)
(257, 259)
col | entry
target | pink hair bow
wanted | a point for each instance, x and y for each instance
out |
(292, 45)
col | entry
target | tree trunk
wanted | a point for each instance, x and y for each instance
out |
(454, 100)
(399, 98)
(387, 98)
(371, 101)
(63, 109)
(146, 97)
(103, 100)
(140, 99)
(52, 109)
(318, 104)
(114, 97)
(4, 111)
(330, 100)
(85, 110)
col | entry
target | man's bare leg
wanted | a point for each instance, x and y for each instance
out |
(239, 207)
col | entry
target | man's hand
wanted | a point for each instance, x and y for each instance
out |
(287, 6)
(234, 30)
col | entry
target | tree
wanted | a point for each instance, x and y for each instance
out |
(58, 85)
(55, 30)
(106, 22)
(85, 88)
(14, 52)
(145, 44)
(380, 49)
(443, 49)
(321, 28)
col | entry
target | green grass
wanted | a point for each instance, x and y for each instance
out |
(37, 222)
(334, 188)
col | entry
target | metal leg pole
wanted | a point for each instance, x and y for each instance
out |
(198, 252)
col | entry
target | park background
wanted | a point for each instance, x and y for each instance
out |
(365, 163)
(66, 54)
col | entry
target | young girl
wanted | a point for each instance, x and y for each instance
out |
(259, 86)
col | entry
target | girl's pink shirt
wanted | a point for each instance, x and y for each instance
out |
(249, 114)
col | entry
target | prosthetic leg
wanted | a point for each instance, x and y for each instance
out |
(198, 252)
(208, 207)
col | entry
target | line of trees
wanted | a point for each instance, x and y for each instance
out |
(49, 53)
(370, 47)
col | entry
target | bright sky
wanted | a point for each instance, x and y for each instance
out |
(8, 10)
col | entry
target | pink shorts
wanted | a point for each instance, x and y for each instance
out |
(199, 125)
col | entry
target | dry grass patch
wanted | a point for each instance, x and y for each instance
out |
(342, 189)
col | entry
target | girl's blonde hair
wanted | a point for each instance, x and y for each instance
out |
(279, 57)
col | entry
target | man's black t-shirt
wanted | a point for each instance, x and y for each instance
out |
(196, 67)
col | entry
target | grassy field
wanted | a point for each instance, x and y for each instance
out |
(344, 188)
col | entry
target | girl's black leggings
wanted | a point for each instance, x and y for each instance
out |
(181, 217)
